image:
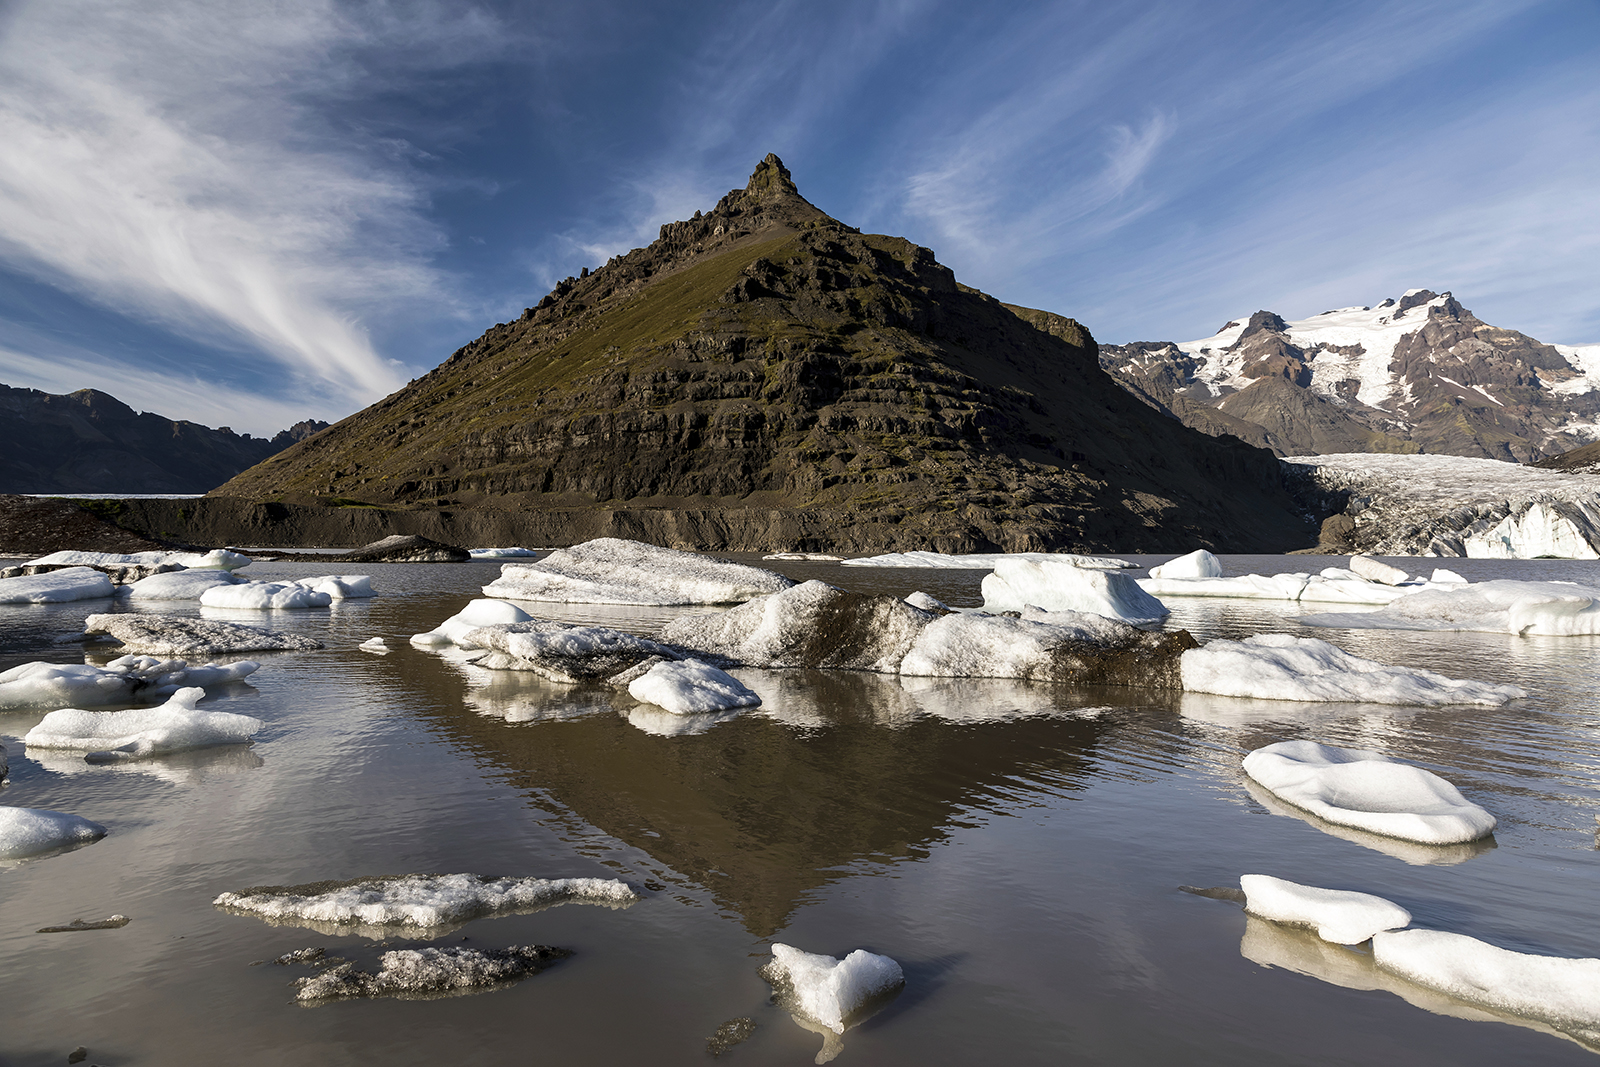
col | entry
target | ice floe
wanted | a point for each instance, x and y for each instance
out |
(476, 614)
(808, 625)
(1549, 609)
(1374, 571)
(340, 586)
(1563, 992)
(1055, 586)
(1285, 667)
(829, 990)
(1406, 851)
(613, 571)
(125, 679)
(502, 553)
(424, 901)
(1334, 585)
(983, 561)
(112, 736)
(1369, 792)
(56, 587)
(430, 972)
(32, 831)
(376, 645)
(172, 635)
(1197, 564)
(1337, 915)
(178, 585)
(927, 602)
(562, 652)
(1060, 646)
(216, 559)
(690, 687)
(264, 596)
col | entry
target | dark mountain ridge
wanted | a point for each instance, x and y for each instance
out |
(764, 359)
(91, 442)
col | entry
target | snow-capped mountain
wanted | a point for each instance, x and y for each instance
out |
(1418, 374)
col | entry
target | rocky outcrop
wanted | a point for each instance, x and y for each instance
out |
(1421, 374)
(91, 442)
(764, 376)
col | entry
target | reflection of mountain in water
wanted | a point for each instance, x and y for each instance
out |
(763, 813)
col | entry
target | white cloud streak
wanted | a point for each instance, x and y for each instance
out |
(166, 159)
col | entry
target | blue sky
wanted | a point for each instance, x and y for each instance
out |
(252, 213)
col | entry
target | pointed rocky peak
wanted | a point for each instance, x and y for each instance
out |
(770, 180)
(1415, 298)
(1262, 322)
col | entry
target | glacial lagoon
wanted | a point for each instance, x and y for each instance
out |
(1016, 848)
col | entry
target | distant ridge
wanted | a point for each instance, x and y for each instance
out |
(1417, 374)
(91, 442)
(765, 376)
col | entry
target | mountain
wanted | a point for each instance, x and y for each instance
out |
(1418, 374)
(775, 378)
(91, 442)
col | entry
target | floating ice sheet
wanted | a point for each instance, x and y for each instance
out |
(418, 901)
(563, 652)
(613, 571)
(113, 736)
(125, 679)
(33, 831)
(216, 559)
(1284, 667)
(171, 635)
(1555, 609)
(56, 587)
(264, 596)
(1197, 564)
(415, 973)
(1412, 852)
(1063, 646)
(983, 561)
(690, 687)
(178, 585)
(1337, 915)
(1055, 586)
(502, 553)
(1369, 792)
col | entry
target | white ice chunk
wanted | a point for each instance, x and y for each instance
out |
(340, 586)
(996, 646)
(178, 585)
(1019, 583)
(375, 645)
(502, 553)
(1373, 571)
(1441, 576)
(421, 900)
(56, 587)
(1337, 915)
(927, 602)
(1284, 667)
(30, 831)
(1244, 586)
(111, 736)
(613, 571)
(1546, 609)
(828, 990)
(690, 687)
(1563, 992)
(264, 596)
(128, 678)
(1197, 564)
(476, 614)
(174, 635)
(983, 561)
(1369, 792)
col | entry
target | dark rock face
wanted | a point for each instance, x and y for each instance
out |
(406, 548)
(91, 442)
(31, 526)
(1453, 385)
(763, 356)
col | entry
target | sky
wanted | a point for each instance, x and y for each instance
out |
(253, 213)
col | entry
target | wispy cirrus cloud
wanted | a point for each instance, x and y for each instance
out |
(174, 161)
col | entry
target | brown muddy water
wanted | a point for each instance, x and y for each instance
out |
(1017, 848)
